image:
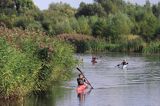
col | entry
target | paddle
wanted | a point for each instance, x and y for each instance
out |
(117, 65)
(84, 77)
(120, 64)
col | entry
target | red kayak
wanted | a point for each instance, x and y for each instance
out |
(81, 88)
(94, 61)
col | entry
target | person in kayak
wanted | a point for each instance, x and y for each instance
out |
(94, 59)
(81, 80)
(124, 62)
(82, 84)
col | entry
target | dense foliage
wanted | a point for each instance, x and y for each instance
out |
(110, 20)
(31, 61)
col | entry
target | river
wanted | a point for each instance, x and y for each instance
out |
(138, 85)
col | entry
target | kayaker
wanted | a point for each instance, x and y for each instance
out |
(124, 62)
(81, 80)
(94, 59)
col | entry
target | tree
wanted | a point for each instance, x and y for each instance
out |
(118, 26)
(27, 22)
(112, 6)
(74, 24)
(90, 10)
(84, 26)
(148, 5)
(56, 19)
(99, 28)
(63, 27)
(156, 10)
(148, 26)
(18, 5)
(61, 9)
(92, 20)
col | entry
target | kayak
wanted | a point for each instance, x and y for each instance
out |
(94, 61)
(81, 88)
(122, 66)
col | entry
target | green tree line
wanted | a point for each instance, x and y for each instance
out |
(110, 20)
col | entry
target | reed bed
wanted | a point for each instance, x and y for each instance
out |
(152, 48)
(32, 61)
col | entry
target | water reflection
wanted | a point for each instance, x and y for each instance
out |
(49, 98)
(11, 103)
(82, 96)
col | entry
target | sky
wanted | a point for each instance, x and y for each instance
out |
(43, 4)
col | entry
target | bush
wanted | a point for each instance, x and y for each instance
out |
(80, 42)
(84, 43)
(31, 61)
(18, 71)
(27, 23)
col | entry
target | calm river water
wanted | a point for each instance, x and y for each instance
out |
(139, 85)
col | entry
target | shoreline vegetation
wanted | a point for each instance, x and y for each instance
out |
(112, 25)
(37, 47)
(32, 62)
(89, 44)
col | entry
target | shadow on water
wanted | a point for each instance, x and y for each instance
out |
(48, 98)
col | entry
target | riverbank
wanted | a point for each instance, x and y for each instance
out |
(130, 44)
(32, 61)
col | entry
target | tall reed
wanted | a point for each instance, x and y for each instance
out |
(131, 43)
(152, 48)
(32, 61)
(84, 43)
